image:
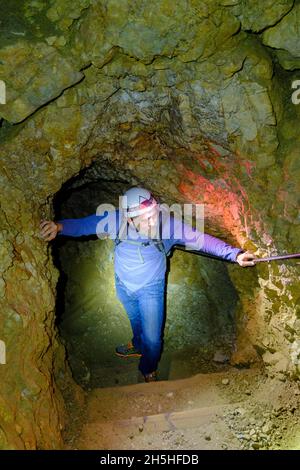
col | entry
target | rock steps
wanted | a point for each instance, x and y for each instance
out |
(163, 413)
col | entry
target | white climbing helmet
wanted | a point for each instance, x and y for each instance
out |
(137, 201)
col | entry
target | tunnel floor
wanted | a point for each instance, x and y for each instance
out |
(233, 409)
(173, 365)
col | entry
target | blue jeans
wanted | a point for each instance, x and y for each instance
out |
(145, 309)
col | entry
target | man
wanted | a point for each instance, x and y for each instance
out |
(140, 264)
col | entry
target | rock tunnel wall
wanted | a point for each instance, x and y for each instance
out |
(191, 99)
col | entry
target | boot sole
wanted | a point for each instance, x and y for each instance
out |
(150, 381)
(127, 355)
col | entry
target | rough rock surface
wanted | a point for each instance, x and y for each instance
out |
(191, 99)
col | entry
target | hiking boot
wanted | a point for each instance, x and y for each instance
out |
(152, 377)
(127, 350)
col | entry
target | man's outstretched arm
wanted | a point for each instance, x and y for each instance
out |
(49, 229)
(205, 243)
(217, 247)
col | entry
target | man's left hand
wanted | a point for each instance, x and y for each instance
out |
(246, 259)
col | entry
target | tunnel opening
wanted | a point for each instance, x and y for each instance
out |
(205, 363)
(200, 298)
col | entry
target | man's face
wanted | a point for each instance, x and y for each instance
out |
(146, 224)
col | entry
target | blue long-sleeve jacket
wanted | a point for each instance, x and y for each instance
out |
(137, 265)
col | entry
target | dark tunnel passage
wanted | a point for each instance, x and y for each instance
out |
(200, 300)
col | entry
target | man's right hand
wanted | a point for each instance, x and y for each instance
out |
(246, 259)
(49, 229)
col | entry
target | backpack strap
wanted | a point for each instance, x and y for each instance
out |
(157, 242)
